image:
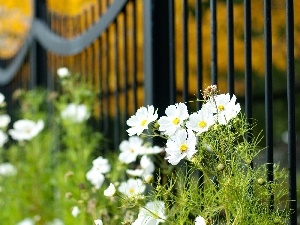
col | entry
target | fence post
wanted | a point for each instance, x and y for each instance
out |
(156, 54)
(38, 56)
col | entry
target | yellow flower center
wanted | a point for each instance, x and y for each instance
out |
(176, 121)
(202, 124)
(131, 190)
(131, 150)
(183, 147)
(221, 107)
(143, 122)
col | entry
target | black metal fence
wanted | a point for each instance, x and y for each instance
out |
(137, 53)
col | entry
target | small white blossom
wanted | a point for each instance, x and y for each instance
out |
(152, 150)
(26, 221)
(95, 177)
(130, 149)
(98, 222)
(152, 215)
(224, 107)
(175, 116)
(75, 211)
(75, 113)
(140, 121)
(110, 191)
(25, 129)
(7, 169)
(4, 120)
(56, 222)
(63, 72)
(147, 168)
(200, 121)
(101, 164)
(3, 138)
(200, 221)
(95, 174)
(132, 187)
(181, 144)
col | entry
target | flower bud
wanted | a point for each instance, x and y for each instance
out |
(148, 179)
(220, 167)
(68, 195)
(261, 181)
(110, 191)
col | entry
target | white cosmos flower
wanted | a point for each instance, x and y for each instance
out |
(181, 144)
(152, 150)
(200, 121)
(98, 222)
(147, 168)
(3, 138)
(25, 129)
(75, 211)
(130, 149)
(224, 107)
(140, 121)
(110, 191)
(56, 221)
(95, 174)
(152, 215)
(75, 113)
(4, 120)
(7, 169)
(101, 164)
(26, 221)
(200, 221)
(95, 177)
(63, 72)
(175, 116)
(132, 187)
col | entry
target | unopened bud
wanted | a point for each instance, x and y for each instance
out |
(68, 195)
(261, 181)
(220, 167)
(148, 179)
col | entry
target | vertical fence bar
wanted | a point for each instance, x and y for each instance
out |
(38, 59)
(199, 51)
(248, 65)
(134, 56)
(230, 43)
(291, 110)
(156, 54)
(185, 91)
(172, 53)
(125, 70)
(116, 91)
(268, 94)
(213, 37)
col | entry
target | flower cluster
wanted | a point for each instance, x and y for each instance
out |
(182, 129)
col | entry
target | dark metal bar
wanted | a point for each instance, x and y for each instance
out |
(291, 110)
(106, 92)
(156, 54)
(230, 43)
(134, 52)
(268, 94)
(172, 53)
(125, 71)
(41, 56)
(116, 91)
(185, 91)
(248, 64)
(199, 51)
(213, 37)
